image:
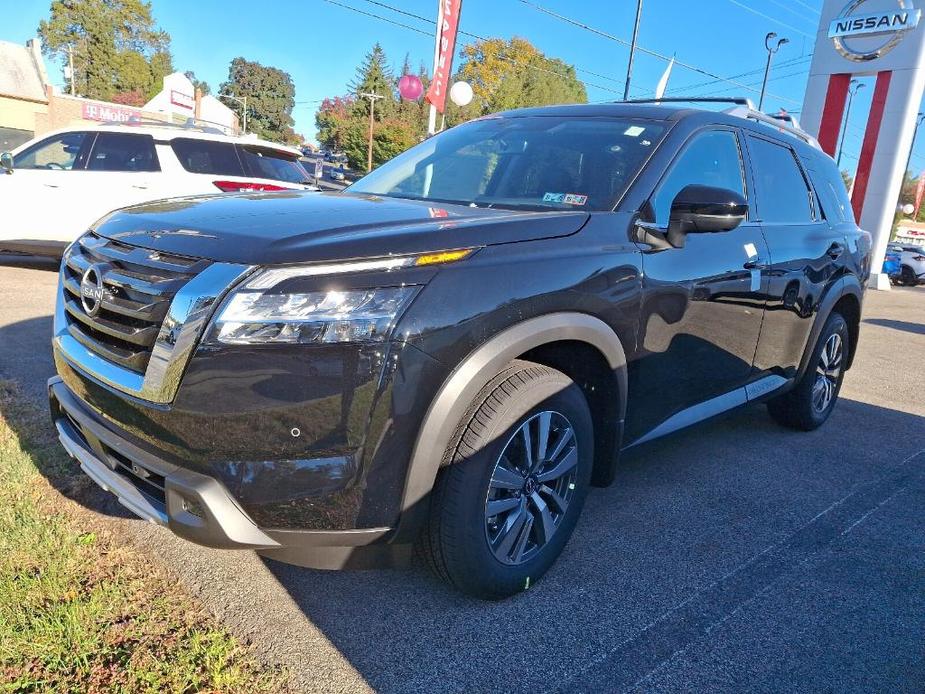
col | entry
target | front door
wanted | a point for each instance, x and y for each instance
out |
(702, 304)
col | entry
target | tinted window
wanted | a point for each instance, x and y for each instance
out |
(123, 152)
(836, 205)
(207, 157)
(711, 159)
(270, 163)
(531, 162)
(55, 153)
(783, 197)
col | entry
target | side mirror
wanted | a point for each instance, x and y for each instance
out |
(6, 162)
(700, 209)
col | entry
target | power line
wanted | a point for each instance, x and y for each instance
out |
(808, 7)
(648, 51)
(796, 13)
(475, 36)
(708, 83)
(770, 18)
(482, 38)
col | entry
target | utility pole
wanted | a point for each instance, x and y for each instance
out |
(70, 67)
(629, 66)
(372, 107)
(243, 101)
(767, 68)
(853, 88)
(915, 132)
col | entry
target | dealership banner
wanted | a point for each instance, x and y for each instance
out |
(447, 27)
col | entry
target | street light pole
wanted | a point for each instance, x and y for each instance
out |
(853, 88)
(372, 107)
(767, 68)
(629, 66)
(915, 132)
(243, 100)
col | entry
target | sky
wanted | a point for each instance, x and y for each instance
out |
(321, 43)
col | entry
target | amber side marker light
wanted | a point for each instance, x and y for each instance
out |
(443, 257)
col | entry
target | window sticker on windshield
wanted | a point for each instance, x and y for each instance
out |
(566, 198)
(634, 131)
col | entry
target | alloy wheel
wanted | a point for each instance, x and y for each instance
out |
(828, 371)
(531, 485)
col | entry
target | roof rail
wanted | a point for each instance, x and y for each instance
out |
(739, 100)
(784, 122)
(190, 124)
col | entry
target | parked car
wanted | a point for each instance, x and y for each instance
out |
(910, 263)
(336, 174)
(454, 350)
(57, 185)
(892, 263)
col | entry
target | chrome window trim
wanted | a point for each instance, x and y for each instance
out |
(190, 309)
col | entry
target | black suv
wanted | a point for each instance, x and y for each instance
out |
(450, 352)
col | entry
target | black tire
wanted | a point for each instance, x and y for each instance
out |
(799, 408)
(457, 542)
(907, 277)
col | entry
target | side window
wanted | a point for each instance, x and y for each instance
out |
(711, 159)
(123, 152)
(783, 196)
(207, 156)
(55, 153)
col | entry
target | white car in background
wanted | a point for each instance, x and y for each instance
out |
(912, 259)
(54, 187)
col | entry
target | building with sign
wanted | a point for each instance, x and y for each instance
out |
(884, 40)
(31, 106)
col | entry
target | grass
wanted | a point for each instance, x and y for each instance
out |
(82, 612)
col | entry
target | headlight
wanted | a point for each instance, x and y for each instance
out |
(365, 315)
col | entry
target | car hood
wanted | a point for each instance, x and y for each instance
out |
(296, 226)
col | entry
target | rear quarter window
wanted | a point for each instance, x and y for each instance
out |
(263, 162)
(208, 157)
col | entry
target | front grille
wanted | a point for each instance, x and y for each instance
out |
(138, 286)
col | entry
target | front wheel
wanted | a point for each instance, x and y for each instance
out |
(507, 503)
(810, 403)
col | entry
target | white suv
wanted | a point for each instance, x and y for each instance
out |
(56, 186)
(912, 258)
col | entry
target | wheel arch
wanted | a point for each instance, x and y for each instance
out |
(845, 296)
(543, 337)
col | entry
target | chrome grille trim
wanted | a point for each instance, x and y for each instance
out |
(137, 362)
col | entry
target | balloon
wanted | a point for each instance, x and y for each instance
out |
(908, 209)
(461, 93)
(410, 88)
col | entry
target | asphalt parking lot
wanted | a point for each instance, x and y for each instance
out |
(734, 556)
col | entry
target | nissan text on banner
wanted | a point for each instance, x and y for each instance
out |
(447, 26)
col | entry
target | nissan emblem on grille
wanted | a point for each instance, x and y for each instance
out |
(91, 289)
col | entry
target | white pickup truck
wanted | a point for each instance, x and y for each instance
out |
(54, 187)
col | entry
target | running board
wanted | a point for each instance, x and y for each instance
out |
(715, 406)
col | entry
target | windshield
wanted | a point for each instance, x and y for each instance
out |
(534, 162)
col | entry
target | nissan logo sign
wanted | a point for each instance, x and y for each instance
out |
(892, 25)
(91, 289)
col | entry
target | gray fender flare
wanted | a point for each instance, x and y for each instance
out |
(473, 374)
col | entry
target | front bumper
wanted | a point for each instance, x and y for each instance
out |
(198, 507)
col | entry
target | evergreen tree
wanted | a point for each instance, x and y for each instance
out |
(374, 77)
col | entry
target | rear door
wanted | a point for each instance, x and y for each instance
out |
(807, 252)
(702, 304)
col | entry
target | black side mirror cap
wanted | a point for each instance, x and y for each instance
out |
(698, 209)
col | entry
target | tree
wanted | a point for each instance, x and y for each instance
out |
(270, 98)
(117, 46)
(201, 85)
(373, 76)
(512, 74)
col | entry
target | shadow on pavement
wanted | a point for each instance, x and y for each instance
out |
(30, 262)
(905, 326)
